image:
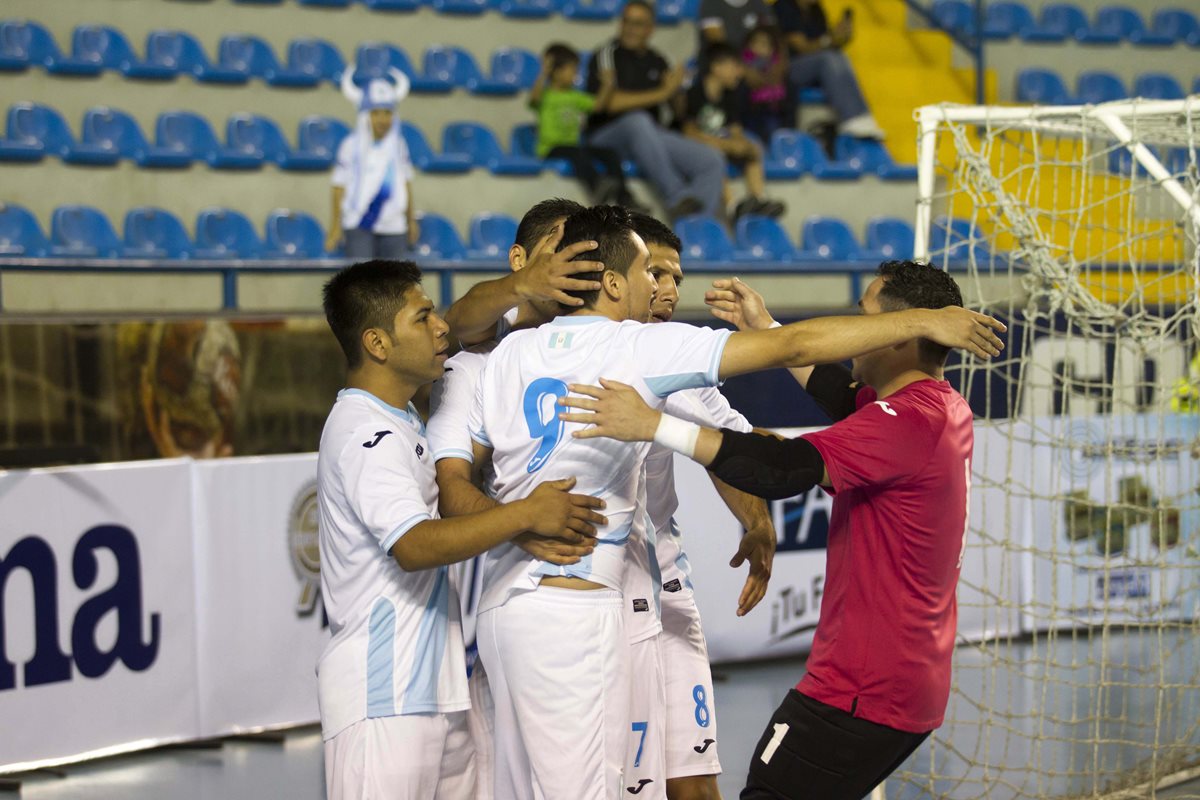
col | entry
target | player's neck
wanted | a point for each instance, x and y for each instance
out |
(384, 384)
(601, 309)
(906, 376)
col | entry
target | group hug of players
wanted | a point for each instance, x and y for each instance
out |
(548, 447)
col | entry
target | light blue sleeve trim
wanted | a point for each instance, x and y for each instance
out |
(453, 452)
(403, 528)
(481, 437)
(664, 385)
(714, 368)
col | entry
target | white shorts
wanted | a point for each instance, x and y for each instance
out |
(557, 662)
(408, 757)
(645, 758)
(691, 713)
(481, 722)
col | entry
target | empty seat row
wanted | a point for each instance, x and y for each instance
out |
(667, 11)
(1046, 87)
(1065, 21)
(182, 137)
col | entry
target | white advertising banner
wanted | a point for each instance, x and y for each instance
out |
(262, 625)
(97, 602)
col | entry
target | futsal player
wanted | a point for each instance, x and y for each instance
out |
(391, 682)
(551, 635)
(898, 460)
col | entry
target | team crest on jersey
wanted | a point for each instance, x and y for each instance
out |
(561, 340)
(302, 545)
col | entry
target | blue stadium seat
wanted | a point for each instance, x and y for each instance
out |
(325, 3)
(450, 67)
(1122, 162)
(1097, 86)
(490, 236)
(223, 233)
(111, 49)
(258, 137)
(21, 143)
(20, 234)
(591, 9)
(704, 239)
(828, 239)
(1158, 86)
(423, 157)
(392, 5)
(190, 133)
(1179, 162)
(181, 51)
(86, 58)
(293, 234)
(888, 239)
(319, 137)
(108, 127)
(255, 57)
(1005, 20)
(524, 143)
(513, 70)
(155, 233)
(1077, 23)
(1196, 85)
(33, 125)
(763, 239)
(471, 7)
(527, 9)
(82, 232)
(1180, 25)
(673, 12)
(793, 154)
(316, 58)
(870, 156)
(1059, 21)
(374, 59)
(480, 145)
(438, 240)
(1043, 87)
(259, 2)
(25, 44)
(955, 234)
(1125, 23)
(955, 15)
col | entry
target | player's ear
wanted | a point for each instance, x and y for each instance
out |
(516, 258)
(613, 284)
(374, 342)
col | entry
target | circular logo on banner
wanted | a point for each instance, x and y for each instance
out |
(1086, 449)
(302, 544)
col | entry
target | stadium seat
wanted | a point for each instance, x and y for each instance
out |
(704, 239)
(479, 144)
(828, 239)
(319, 137)
(1179, 24)
(25, 44)
(1005, 20)
(259, 2)
(37, 125)
(955, 234)
(439, 240)
(524, 143)
(325, 3)
(1122, 162)
(1125, 23)
(490, 236)
(471, 7)
(86, 58)
(155, 233)
(181, 51)
(1076, 22)
(253, 56)
(187, 132)
(870, 156)
(423, 157)
(258, 137)
(316, 58)
(513, 70)
(1179, 162)
(451, 67)
(763, 239)
(223, 233)
(955, 15)
(114, 52)
(1096, 86)
(591, 9)
(392, 5)
(1196, 85)
(82, 232)
(888, 239)
(20, 143)
(20, 234)
(293, 234)
(108, 127)
(374, 59)
(527, 9)
(1058, 22)
(1158, 86)
(793, 154)
(1043, 87)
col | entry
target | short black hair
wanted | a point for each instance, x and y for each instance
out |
(560, 54)
(638, 4)
(539, 220)
(611, 227)
(911, 284)
(366, 295)
(655, 232)
(719, 51)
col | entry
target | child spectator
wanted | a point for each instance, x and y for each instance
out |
(713, 111)
(561, 109)
(766, 63)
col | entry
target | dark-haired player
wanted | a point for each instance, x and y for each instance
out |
(392, 684)
(898, 459)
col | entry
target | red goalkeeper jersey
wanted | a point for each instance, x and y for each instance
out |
(900, 469)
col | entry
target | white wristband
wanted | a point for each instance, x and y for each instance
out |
(677, 434)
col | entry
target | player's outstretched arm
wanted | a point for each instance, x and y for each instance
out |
(551, 510)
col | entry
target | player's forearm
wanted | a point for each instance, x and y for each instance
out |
(473, 317)
(750, 511)
(437, 542)
(458, 496)
(335, 211)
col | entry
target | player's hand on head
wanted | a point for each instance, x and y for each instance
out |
(556, 551)
(733, 301)
(757, 547)
(561, 515)
(959, 327)
(549, 273)
(614, 410)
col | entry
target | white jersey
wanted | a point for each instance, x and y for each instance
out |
(706, 407)
(396, 645)
(374, 175)
(515, 414)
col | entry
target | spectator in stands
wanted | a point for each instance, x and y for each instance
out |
(817, 61)
(730, 21)
(713, 111)
(561, 108)
(771, 105)
(689, 175)
(373, 211)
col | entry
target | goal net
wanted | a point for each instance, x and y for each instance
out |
(1078, 672)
